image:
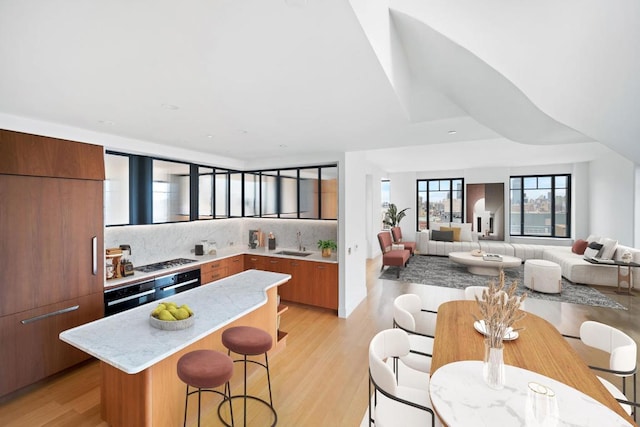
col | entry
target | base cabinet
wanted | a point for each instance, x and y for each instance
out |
(220, 269)
(31, 347)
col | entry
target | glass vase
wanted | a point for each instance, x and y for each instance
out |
(493, 368)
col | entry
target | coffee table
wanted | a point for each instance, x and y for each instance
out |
(477, 265)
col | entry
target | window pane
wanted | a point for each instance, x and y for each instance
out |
(561, 181)
(289, 194)
(544, 182)
(422, 207)
(561, 212)
(269, 198)
(445, 185)
(439, 206)
(530, 182)
(456, 213)
(251, 194)
(235, 197)
(221, 194)
(116, 190)
(171, 185)
(515, 209)
(329, 192)
(516, 183)
(205, 193)
(422, 185)
(434, 185)
(309, 207)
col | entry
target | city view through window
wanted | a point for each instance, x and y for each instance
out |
(440, 200)
(540, 206)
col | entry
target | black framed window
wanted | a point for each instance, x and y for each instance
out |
(439, 200)
(540, 205)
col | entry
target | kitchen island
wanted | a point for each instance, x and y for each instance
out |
(138, 362)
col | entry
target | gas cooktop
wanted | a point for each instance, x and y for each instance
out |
(149, 268)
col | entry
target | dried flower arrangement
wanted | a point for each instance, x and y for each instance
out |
(499, 309)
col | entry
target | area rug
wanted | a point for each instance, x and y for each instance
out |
(439, 271)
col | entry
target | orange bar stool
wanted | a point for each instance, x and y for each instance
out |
(250, 341)
(206, 370)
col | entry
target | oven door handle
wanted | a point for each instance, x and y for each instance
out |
(188, 282)
(118, 301)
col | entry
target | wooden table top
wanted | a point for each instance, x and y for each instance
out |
(539, 348)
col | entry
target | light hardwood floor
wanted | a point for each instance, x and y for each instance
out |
(321, 378)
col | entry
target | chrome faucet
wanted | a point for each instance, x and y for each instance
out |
(299, 238)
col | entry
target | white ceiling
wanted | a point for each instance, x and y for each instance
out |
(256, 79)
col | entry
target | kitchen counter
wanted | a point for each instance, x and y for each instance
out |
(128, 342)
(221, 254)
(139, 385)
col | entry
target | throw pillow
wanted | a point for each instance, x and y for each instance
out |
(442, 236)
(593, 250)
(579, 246)
(465, 232)
(608, 248)
(454, 230)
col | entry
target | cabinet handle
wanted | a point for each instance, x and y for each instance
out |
(53, 313)
(94, 255)
(236, 260)
(273, 262)
(321, 267)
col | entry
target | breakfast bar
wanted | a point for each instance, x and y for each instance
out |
(138, 361)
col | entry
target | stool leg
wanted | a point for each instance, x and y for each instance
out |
(199, 400)
(186, 403)
(228, 388)
(266, 361)
(245, 390)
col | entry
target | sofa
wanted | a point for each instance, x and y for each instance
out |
(572, 263)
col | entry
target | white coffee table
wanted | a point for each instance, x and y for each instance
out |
(477, 265)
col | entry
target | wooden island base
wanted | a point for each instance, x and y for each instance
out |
(155, 396)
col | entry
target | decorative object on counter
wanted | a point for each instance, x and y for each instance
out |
(126, 267)
(499, 309)
(213, 248)
(392, 217)
(272, 242)
(327, 246)
(199, 250)
(253, 238)
(113, 256)
(169, 317)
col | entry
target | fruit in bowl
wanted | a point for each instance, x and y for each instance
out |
(170, 316)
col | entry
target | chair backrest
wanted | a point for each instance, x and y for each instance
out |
(405, 308)
(470, 292)
(621, 347)
(396, 233)
(385, 344)
(384, 238)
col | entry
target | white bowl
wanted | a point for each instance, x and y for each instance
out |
(172, 325)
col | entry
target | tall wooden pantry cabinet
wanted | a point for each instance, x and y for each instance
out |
(51, 252)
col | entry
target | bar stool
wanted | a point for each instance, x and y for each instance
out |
(250, 341)
(205, 370)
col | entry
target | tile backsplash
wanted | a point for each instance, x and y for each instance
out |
(160, 242)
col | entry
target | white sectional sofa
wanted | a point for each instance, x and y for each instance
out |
(573, 265)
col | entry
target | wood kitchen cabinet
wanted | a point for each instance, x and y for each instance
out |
(220, 269)
(52, 227)
(256, 262)
(324, 284)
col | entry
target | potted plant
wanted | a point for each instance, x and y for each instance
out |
(392, 217)
(327, 246)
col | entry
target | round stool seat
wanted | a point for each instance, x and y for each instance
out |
(247, 340)
(205, 368)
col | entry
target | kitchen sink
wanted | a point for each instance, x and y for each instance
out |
(293, 253)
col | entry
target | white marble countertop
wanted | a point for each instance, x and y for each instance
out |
(461, 398)
(220, 254)
(128, 342)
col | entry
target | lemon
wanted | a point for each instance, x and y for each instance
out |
(181, 314)
(186, 307)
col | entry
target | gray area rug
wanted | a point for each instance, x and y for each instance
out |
(439, 271)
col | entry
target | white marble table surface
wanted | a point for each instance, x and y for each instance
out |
(461, 398)
(128, 342)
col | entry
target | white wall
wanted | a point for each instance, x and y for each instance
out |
(403, 195)
(612, 198)
(352, 232)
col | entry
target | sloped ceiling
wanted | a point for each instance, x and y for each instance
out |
(255, 79)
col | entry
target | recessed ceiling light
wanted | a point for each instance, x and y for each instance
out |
(452, 132)
(210, 136)
(170, 106)
(283, 145)
(106, 122)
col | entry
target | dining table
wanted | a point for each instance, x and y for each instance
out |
(538, 354)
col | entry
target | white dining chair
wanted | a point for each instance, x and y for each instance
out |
(409, 316)
(622, 361)
(471, 292)
(390, 403)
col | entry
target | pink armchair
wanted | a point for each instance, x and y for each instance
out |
(396, 232)
(392, 257)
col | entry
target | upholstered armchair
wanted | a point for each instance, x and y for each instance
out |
(392, 257)
(396, 232)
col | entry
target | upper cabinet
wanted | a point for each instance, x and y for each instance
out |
(33, 155)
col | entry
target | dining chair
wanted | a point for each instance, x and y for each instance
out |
(419, 324)
(390, 403)
(622, 361)
(471, 292)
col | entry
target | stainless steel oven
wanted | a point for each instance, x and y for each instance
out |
(172, 284)
(130, 296)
